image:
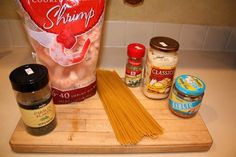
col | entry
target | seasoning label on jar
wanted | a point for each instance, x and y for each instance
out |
(182, 106)
(133, 73)
(160, 79)
(133, 77)
(38, 115)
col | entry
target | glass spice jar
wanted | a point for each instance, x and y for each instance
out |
(134, 66)
(33, 95)
(186, 96)
(160, 67)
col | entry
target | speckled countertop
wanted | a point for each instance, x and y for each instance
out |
(217, 69)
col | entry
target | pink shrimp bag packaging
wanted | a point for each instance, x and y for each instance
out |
(65, 35)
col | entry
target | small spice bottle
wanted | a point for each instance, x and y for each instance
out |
(160, 67)
(33, 95)
(134, 66)
(186, 96)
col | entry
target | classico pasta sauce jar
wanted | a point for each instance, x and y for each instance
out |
(33, 96)
(160, 67)
(186, 96)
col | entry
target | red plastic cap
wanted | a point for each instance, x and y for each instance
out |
(136, 50)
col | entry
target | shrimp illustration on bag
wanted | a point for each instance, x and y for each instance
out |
(66, 37)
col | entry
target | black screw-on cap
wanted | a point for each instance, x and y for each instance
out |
(165, 44)
(29, 78)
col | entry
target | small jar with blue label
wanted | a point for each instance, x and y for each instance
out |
(186, 96)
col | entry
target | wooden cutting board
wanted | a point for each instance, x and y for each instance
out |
(84, 128)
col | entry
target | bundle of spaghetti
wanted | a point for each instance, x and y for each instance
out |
(129, 119)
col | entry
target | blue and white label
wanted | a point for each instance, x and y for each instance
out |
(182, 106)
(185, 108)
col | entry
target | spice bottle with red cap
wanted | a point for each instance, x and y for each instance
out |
(134, 66)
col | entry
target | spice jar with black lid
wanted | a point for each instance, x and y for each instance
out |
(33, 94)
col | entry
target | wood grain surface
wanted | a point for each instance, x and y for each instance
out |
(84, 128)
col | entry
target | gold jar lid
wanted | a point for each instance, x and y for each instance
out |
(165, 44)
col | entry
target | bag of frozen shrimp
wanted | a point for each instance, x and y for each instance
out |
(65, 35)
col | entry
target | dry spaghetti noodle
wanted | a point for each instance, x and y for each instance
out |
(129, 119)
